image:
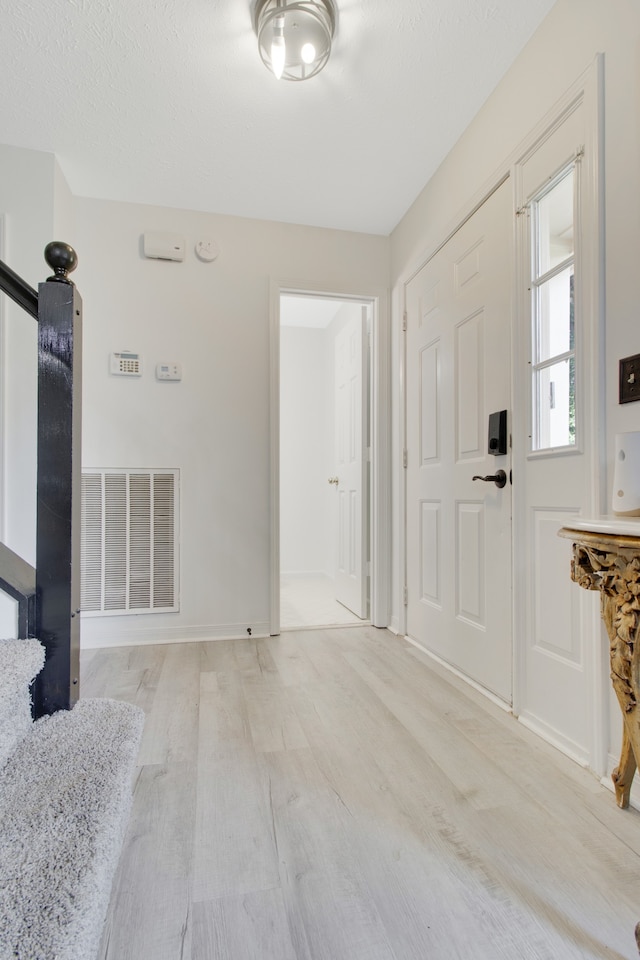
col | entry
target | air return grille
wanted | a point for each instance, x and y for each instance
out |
(129, 541)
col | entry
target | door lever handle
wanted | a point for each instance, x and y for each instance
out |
(499, 478)
(334, 480)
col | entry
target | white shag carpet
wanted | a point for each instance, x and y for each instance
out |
(65, 796)
(20, 662)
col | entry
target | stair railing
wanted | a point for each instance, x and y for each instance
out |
(54, 616)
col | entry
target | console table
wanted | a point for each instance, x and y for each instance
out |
(606, 557)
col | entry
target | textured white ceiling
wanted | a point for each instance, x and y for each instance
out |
(168, 102)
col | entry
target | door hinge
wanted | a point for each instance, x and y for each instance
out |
(405, 457)
(405, 596)
(404, 322)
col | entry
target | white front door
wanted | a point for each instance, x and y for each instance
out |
(351, 463)
(458, 372)
(558, 386)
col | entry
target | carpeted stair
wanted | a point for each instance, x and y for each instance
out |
(65, 795)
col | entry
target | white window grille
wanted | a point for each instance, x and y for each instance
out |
(553, 348)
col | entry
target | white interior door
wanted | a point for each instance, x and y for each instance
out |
(351, 464)
(458, 372)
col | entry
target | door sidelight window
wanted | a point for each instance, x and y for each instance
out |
(553, 353)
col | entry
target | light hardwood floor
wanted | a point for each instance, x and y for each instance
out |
(332, 795)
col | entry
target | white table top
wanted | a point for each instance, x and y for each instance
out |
(611, 525)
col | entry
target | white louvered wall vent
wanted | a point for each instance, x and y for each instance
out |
(129, 552)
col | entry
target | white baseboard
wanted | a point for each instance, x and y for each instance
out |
(546, 732)
(134, 637)
(461, 676)
(394, 626)
(566, 746)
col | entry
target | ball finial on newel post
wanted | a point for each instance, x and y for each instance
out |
(62, 259)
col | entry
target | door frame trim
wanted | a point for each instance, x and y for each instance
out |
(380, 489)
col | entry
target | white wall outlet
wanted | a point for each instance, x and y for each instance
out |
(168, 371)
(125, 364)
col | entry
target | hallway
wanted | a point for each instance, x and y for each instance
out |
(310, 602)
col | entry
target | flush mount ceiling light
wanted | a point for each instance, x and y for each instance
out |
(294, 36)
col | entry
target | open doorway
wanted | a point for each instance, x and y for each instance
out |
(325, 363)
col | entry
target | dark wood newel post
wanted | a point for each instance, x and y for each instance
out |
(58, 480)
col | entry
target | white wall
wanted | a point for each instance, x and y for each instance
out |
(26, 200)
(35, 202)
(62, 208)
(214, 425)
(563, 47)
(306, 450)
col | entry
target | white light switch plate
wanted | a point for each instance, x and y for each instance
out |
(169, 371)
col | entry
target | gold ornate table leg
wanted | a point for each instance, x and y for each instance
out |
(623, 773)
(613, 568)
(620, 616)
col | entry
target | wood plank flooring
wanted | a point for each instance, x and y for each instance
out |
(333, 795)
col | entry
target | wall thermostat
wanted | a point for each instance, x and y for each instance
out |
(207, 250)
(125, 364)
(168, 371)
